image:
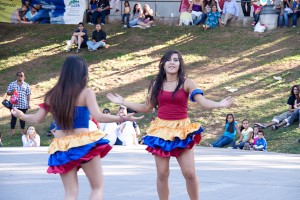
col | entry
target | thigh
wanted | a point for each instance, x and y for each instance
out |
(70, 180)
(162, 164)
(93, 171)
(186, 161)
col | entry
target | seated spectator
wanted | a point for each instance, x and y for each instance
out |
(109, 128)
(148, 15)
(30, 14)
(296, 12)
(79, 38)
(21, 14)
(102, 10)
(42, 16)
(98, 39)
(126, 14)
(261, 143)
(256, 11)
(246, 135)
(282, 119)
(208, 4)
(196, 8)
(27, 4)
(138, 16)
(230, 11)
(285, 13)
(296, 113)
(126, 134)
(89, 12)
(253, 140)
(230, 129)
(31, 138)
(52, 128)
(213, 19)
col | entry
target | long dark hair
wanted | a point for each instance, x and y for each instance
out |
(157, 84)
(134, 8)
(230, 128)
(63, 96)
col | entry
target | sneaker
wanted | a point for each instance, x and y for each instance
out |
(287, 125)
(275, 127)
(102, 24)
(148, 26)
(125, 26)
(142, 27)
(253, 24)
(106, 46)
(90, 49)
(294, 26)
(77, 51)
(68, 50)
(90, 23)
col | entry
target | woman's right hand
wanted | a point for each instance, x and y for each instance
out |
(115, 98)
(131, 117)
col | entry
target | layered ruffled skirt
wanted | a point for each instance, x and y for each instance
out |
(167, 138)
(72, 150)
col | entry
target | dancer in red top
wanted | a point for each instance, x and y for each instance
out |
(172, 133)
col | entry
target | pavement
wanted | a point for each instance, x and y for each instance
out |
(130, 174)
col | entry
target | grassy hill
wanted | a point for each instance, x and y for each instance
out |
(215, 59)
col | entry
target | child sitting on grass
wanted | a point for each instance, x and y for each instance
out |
(261, 143)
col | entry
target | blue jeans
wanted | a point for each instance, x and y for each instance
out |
(196, 20)
(294, 116)
(256, 17)
(125, 16)
(222, 141)
(103, 15)
(284, 17)
(295, 16)
(133, 22)
(241, 145)
(95, 46)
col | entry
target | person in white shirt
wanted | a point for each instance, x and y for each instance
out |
(109, 128)
(230, 11)
(31, 138)
(126, 134)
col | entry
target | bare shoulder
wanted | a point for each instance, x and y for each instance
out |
(189, 85)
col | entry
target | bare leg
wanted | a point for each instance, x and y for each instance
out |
(80, 40)
(266, 125)
(93, 170)
(163, 172)
(187, 164)
(70, 181)
(73, 41)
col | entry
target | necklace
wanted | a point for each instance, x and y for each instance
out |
(170, 81)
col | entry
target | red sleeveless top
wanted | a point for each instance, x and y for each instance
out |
(173, 107)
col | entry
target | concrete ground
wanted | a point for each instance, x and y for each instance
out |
(130, 174)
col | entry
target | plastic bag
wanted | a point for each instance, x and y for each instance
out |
(259, 28)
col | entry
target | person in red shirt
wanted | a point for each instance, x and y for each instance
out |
(172, 133)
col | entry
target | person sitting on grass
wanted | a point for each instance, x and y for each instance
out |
(98, 39)
(137, 18)
(261, 143)
(79, 37)
(296, 113)
(245, 137)
(213, 19)
(148, 16)
(230, 129)
(31, 138)
(230, 11)
(282, 119)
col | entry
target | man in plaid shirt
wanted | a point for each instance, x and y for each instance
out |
(23, 104)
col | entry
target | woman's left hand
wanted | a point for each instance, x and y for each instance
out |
(16, 112)
(131, 117)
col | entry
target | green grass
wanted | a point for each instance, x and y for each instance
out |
(215, 59)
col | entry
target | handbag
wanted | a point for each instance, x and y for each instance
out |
(6, 103)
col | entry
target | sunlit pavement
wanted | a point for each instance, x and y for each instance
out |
(224, 174)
